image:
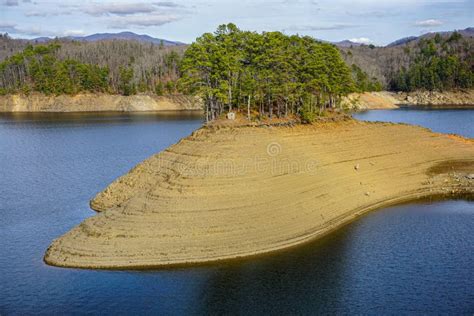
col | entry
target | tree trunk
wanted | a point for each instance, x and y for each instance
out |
(248, 108)
(230, 91)
(270, 107)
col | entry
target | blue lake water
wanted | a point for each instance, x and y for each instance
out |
(451, 121)
(409, 259)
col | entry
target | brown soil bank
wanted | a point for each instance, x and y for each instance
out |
(96, 103)
(392, 100)
(227, 192)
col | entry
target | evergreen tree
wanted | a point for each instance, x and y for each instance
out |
(270, 73)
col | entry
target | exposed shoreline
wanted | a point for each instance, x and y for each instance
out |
(393, 100)
(202, 200)
(96, 102)
(101, 102)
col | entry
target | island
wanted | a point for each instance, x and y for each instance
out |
(278, 162)
(236, 190)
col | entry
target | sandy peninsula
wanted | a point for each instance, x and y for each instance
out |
(231, 192)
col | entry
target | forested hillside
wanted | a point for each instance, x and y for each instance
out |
(443, 61)
(437, 64)
(128, 66)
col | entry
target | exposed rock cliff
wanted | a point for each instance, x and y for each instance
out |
(434, 98)
(392, 100)
(96, 102)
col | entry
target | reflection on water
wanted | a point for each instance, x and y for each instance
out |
(80, 118)
(395, 260)
(407, 259)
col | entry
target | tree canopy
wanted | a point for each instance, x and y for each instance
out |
(36, 68)
(439, 64)
(128, 66)
(269, 72)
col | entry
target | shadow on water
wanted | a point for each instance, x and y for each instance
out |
(305, 280)
(393, 259)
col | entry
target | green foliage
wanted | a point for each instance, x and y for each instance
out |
(170, 87)
(126, 86)
(307, 114)
(456, 36)
(37, 69)
(439, 65)
(159, 89)
(279, 74)
(362, 81)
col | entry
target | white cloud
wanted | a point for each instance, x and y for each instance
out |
(36, 31)
(361, 40)
(119, 8)
(73, 33)
(377, 3)
(141, 20)
(168, 4)
(429, 23)
(9, 3)
(8, 27)
(127, 8)
(47, 13)
(30, 31)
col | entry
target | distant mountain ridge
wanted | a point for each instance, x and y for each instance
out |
(148, 39)
(347, 43)
(403, 41)
(468, 32)
(115, 36)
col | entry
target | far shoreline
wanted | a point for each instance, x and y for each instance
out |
(96, 102)
(102, 102)
(385, 100)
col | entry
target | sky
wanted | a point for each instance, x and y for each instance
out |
(367, 21)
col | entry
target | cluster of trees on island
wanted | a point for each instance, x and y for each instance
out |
(271, 73)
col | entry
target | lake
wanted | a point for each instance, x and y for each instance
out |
(407, 259)
(451, 121)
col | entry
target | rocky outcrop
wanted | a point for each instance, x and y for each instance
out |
(434, 98)
(393, 100)
(227, 192)
(96, 103)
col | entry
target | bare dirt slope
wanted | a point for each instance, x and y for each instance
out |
(96, 103)
(393, 100)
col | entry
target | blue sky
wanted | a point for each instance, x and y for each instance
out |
(369, 21)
